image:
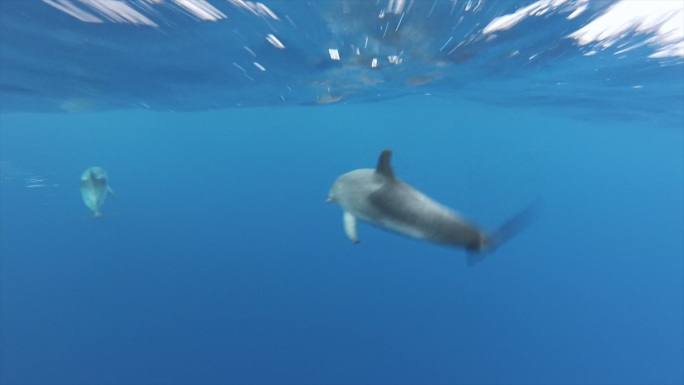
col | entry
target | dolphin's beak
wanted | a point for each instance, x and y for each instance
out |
(329, 199)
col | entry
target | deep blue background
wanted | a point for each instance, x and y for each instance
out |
(221, 263)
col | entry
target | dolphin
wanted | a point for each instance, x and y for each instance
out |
(94, 189)
(378, 197)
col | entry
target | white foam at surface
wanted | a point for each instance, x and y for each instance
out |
(274, 41)
(201, 9)
(663, 19)
(507, 21)
(119, 12)
(69, 8)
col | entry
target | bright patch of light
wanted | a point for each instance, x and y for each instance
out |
(115, 11)
(394, 59)
(98, 11)
(67, 7)
(396, 6)
(119, 12)
(266, 11)
(577, 12)
(274, 41)
(334, 54)
(201, 9)
(535, 9)
(470, 6)
(662, 19)
(258, 9)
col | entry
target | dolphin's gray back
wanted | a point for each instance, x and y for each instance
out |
(407, 210)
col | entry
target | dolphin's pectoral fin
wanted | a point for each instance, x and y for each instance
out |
(111, 192)
(350, 227)
(384, 167)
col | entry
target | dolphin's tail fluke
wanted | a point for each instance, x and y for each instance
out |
(99, 215)
(512, 227)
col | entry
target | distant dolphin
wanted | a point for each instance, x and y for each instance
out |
(376, 196)
(94, 188)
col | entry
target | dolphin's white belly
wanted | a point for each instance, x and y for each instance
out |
(93, 197)
(94, 188)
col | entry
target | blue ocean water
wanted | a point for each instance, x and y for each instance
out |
(220, 262)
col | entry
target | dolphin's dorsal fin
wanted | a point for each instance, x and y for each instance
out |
(384, 166)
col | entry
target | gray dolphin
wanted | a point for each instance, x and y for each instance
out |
(378, 197)
(94, 188)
